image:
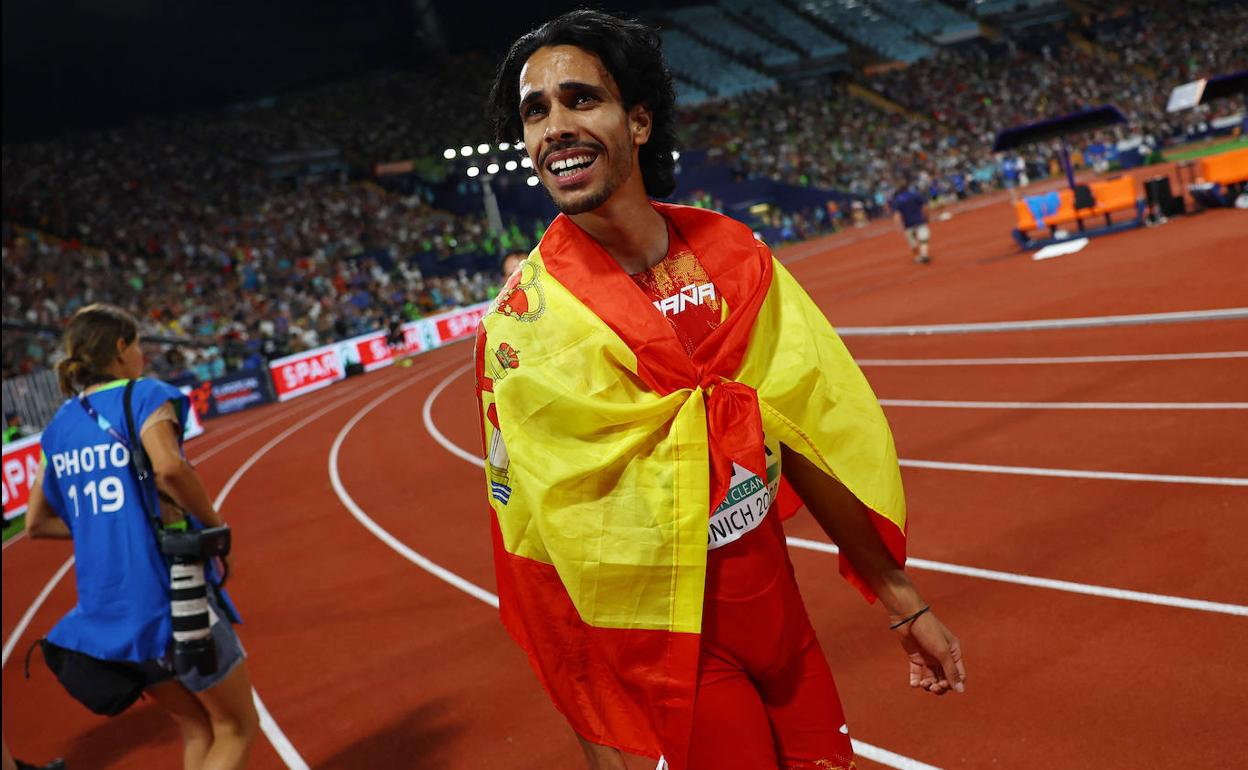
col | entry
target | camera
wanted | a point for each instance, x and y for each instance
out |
(192, 624)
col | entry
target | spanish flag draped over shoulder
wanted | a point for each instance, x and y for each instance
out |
(608, 445)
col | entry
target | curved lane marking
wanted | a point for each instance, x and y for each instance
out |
(335, 479)
(1036, 360)
(20, 628)
(1085, 322)
(1070, 473)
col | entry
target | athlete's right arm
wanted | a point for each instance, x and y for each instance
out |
(41, 520)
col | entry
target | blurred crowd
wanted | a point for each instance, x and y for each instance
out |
(250, 233)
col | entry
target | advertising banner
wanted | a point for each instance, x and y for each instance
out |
(21, 462)
(305, 372)
(374, 352)
(458, 324)
(231, 393)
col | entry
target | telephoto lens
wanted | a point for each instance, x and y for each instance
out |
(192, 622)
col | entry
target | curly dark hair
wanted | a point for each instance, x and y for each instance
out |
(631, 52)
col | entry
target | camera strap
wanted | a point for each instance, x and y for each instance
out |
(138, 457)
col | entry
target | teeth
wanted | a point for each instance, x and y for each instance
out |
(571, 165)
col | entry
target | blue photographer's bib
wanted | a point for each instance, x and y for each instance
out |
(123, 581)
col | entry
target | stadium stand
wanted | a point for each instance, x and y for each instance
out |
(702, 64)
(711, 22)
(869, 28)
(772, 15)
(932, 19)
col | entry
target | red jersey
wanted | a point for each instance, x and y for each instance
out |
(681, 290)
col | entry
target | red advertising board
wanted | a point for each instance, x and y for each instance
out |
(21, 462)
(374, 353)
(460, 324)
(306, 372)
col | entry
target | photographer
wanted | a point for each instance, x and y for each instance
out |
(88, 489)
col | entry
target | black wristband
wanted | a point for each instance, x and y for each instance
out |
(910, 619)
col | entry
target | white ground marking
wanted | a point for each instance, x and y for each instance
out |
(20, 628)
(883, 756)
(1035, 360)
(1221, 314)
(1074, 405)
(1038, 582)
(438, 571)
(1068, 473)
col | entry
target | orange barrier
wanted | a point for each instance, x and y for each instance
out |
(1227, 168)
(1112, 195)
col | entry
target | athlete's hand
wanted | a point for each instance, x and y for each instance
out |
(935, 655)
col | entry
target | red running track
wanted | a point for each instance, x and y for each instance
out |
(365, 660)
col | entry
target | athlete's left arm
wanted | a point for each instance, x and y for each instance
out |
(934, 652)
(41, 520)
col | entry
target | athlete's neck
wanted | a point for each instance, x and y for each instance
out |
(629, 228)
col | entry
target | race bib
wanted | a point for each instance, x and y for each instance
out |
(746, 504)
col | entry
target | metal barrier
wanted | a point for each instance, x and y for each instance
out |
(35, 397)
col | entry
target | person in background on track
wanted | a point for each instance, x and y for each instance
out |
(123, 611)
(640, 390)
(910, 214)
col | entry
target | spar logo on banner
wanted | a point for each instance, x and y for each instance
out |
(306, 372)
(459, 324)
(21, 463)
(374, 353)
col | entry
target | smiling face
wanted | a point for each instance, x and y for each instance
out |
(581, 139)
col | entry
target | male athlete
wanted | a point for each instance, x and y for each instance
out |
(643, 379)
(910, 214)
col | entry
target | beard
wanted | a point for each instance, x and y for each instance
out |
(616, 174)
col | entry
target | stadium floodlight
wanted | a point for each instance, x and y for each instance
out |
(504, 147)
(449, 153)
(473, 171)
(518, 145)
(511, 165)
(525, 162)
(492, 168)
(482, 149)
(465, 151)
(532, 181)
(675, 155)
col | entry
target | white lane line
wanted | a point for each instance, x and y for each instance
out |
(1039, 582)
(427, 416)
(20, 628)
(438, 571)
(1035, 360)
(13, 540)
(329, 403)
(1074, 405)
(883, 756)
(262, 451)
(1068, 473)
(1087, 322)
